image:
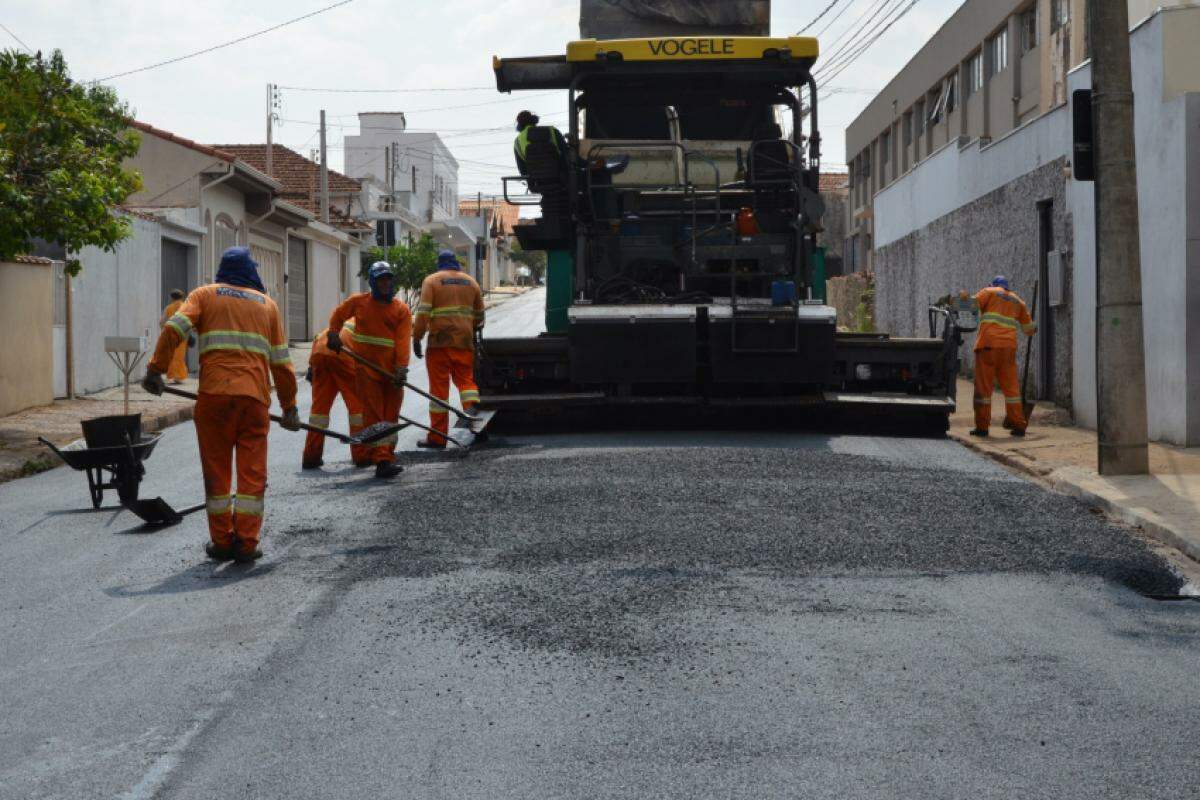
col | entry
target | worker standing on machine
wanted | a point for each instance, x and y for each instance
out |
(242, 348)
(451, 311)
(526, 121)
(1003, 313)
(382, 333)
(332, 374)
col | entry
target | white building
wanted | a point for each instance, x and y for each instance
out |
(412, 183)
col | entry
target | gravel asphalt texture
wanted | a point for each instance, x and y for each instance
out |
(690, 614)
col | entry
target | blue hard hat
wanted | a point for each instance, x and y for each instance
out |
(380, 269)
(446, 258)
(1000, 281)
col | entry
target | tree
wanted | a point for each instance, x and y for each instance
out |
(534, 259)
(62, 145)
(411, 261)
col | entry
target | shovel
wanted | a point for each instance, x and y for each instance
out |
(372, 365)
(375, 433)
(1029, 404)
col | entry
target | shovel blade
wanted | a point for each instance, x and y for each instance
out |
(377, 432)
(157, 512)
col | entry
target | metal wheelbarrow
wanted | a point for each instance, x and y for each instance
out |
(112, 467)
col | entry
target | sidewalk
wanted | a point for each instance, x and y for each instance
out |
(1164, 504)
(21, 454)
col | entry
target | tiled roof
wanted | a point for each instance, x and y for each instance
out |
(834, 180)
(301, 179)
(294, 171)
(30, 260)
(146, 215)
(508, 215)
(188, 143)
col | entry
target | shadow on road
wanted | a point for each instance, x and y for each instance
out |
(197, 578)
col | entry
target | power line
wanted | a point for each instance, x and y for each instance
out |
(28, 49)
(226, 44)
(868, 44)
(852, 34)
(828, 8)
(836, 17)
(390, 91)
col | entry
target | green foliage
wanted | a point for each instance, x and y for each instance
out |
(534, 259)
(35, 466)
(412, 262)
(61, 148)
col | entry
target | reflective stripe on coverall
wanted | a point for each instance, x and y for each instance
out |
(383, 335)
(333, 374)
(1003, 313)
(242, 348)
(451, 310)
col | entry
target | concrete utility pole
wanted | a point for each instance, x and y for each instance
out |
(324, 174)
(272, 102)
(1120, 349)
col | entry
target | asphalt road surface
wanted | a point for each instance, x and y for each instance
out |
(713, 614)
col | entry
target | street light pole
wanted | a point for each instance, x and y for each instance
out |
(1120, 348)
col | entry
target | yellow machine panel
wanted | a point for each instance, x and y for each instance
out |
(693, 48)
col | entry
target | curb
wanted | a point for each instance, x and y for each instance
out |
(1152, 527)
(164, 421)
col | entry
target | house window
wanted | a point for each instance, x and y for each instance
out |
(1029, 29)
(999, 52)
(975, 74)
(1060, 14)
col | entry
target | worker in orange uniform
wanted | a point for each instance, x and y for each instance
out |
(1002, 314)
(382, 329)
(332, 374)
(451, 310)
(242, 348)
(177, 371)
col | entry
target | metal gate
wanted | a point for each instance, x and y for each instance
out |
(174, 270)
(297, 290)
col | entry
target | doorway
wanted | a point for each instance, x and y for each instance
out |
(1045, 316)
(297, 290)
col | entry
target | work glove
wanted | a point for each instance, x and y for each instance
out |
(334, 340)
(400, 378)
(308, 375)
(291, 419)
(153, 383)
(417, 350)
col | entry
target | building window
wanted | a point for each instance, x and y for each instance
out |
(1029, 29)
(885, 148)
(1060, 14)
(999, 52)
(224, 237)
(975, 74)
(937, 101)
(908, 129)
(919, 115)
(866, 163)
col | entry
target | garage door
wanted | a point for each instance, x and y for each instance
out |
(297, 290)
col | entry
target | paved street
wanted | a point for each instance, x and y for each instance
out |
(601, 615)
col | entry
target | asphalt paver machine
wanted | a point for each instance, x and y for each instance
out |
(682, 226)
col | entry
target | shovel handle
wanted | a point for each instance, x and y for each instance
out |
(341, 437)
(372, 365)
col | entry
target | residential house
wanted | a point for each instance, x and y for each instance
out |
(323, 257)
(497, 219)
(961, 169)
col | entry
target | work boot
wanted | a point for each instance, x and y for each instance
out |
(384, 470)
(312, 464)
(1008, 426)
(218, 553)
(1018, 432)
(980, 432)
(361, 464)
(242, 556)
(429, 444)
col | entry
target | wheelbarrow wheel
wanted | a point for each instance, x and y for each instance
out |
(95, 485)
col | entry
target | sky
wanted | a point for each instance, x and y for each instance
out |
(418, 46)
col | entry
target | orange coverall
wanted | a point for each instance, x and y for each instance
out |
(242, 347)
(177, 370)
(451, 310)
(382, 334)
(333, 374)
(1003, 313)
